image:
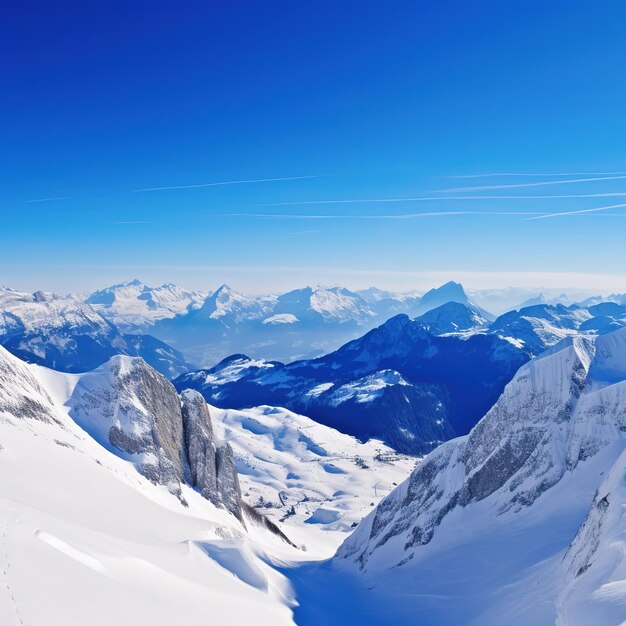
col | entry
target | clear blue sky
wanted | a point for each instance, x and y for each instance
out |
(347, 100)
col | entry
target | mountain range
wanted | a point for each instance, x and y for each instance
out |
(412, 383)
(64, 333)
(302, 323)
(520, 521)
(399, 383)
(241, 479)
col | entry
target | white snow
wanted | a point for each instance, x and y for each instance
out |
(287, 460)
(368, 388)
(281, 318)
(132, 304)
(236, 370)
(85, 539)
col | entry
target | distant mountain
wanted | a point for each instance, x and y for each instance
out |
(450, 292)
(453, 317)
(500, 301)
(535, 493)
(67, 334)
(134, 306)
(541, 326)
(301, 323)
(618, 298)
(542, 298)
(386, 304)
(399, 383)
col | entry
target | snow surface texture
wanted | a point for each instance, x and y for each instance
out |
(520, 521)
(316, 482)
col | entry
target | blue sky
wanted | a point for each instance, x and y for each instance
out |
(314, 102)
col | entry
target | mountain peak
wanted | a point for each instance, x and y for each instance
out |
(452, 317)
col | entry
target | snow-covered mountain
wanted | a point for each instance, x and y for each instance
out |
(120, 500)
(134, 306)
(67, 334)
(398, 383)
(541, 326)
(617, 298)
(302, 323)
(87, 539)
(453, 317)
(521, 521)
(500, 301)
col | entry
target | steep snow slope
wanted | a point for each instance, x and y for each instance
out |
(515, 523)
(134, 306)
(86, 539)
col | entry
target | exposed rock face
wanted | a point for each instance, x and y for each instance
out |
(126, 405)
(21, 395)
(212, 464)
(228, 488)
(200, 443)
(559, 410)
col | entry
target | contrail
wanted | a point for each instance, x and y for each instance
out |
(229, 182)
(539, 184)
(535, 175)
(376, 217)
(444, 199)
(43, 200)
(580, 211)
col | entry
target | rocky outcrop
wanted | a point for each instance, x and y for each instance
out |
(133, 410)
(211, 464)
(228, 489)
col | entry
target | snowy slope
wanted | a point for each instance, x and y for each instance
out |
(453, 317)
(516, 523)
(315, 482)
(86, 539)
(99, 523)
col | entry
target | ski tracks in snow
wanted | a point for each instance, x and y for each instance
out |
(8, 606)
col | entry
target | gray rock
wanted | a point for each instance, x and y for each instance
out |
(200, 444)
(134, 411)
(228, 488)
